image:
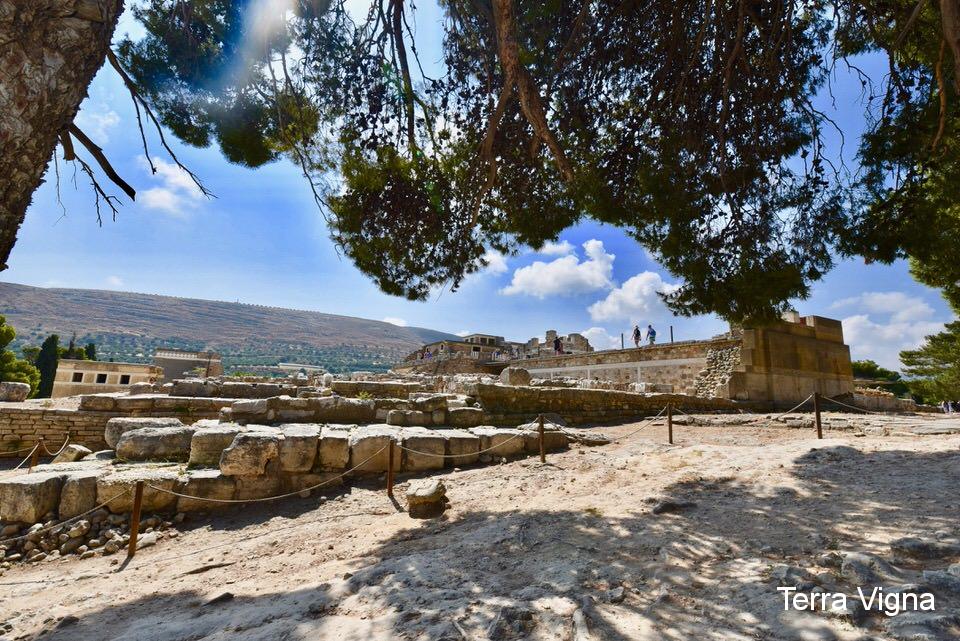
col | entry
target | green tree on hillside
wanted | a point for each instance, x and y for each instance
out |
(934, 367)
(870, 369)
(47, 362)
(13, 369)
(91, 351)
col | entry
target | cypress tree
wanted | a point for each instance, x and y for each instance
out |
(91, 350)
(47, 362)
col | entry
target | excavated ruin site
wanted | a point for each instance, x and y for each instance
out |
(264, 513)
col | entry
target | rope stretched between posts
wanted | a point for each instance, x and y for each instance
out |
(70, 520)
(29, 456)
(493, 447)
(66, 441)
(268, 498)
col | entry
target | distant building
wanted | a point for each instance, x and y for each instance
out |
(573, 343)
(91, 377)
(178, 363)
(488, 347)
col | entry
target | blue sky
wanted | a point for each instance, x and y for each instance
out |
(262, 240)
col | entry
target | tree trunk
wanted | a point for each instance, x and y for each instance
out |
(49, 52)
(950, 15)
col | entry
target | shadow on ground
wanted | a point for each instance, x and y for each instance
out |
(702, 572)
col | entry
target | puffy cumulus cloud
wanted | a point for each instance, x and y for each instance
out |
(562, 248)
(496, 262)
(566, 275)
(883, 341)
(900, 306)
(600, 338)
(176, 195)
(393, 320)
(637, 299)
(97, 123)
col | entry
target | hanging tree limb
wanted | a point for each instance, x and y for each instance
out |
(101, 159)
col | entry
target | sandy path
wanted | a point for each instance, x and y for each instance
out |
(524, 546)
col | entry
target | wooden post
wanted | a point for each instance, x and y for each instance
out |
(543, 451)
(816, 411)
(621, 340)
(135, 519)
(670, 423)
(35, 456)
(390, 469)
(671, 333)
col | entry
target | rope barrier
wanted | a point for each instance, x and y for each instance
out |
(269, 498)
(66, 441)
(29, 456)
(67, 521)
(859, 409)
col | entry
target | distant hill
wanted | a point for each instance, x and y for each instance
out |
(129, 327)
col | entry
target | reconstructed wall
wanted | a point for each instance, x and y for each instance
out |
(22, 426)
(788, 361)
(674, 364)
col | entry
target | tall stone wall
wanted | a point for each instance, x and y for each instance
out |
(674, 364)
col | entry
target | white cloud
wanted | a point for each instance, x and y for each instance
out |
(393, 320)
(901, 307)
(562, 248)
(464, 332)
(114, 281)
(496, 262)
(600, 338)
(97, 123)
(177, 194)
(566, 275)
(882, 342)
(636, 300)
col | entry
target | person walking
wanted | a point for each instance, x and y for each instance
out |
(651, 335)
(636, 335)
(557, 345)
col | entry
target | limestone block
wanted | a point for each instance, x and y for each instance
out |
(209, 441)
(515, 376)
(194, 387)
(365, 444)
(28, 497)
(553, 440)
(430, 448)
(298, 449)
(344, 410)
(334, 451)
(117, 426)
(141, 388)
(465, 416)
(252, 411)
(251, 452)
(79, 493)
(98, 402)
(426, 499)
(309, 480)
(134, 403)
(11, 392)
(500, 441)
(209, 484)
(438, 417)
(418, 418)
(257, 487)
(462, 446)
(156, 443)
(397, 417)
(118, 488)
(429, 403)
(71, 453)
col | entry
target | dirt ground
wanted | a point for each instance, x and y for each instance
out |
(525, 550)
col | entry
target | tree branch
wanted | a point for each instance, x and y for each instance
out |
(101, 159)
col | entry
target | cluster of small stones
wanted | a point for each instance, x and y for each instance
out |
(720, 365)
(99, 534)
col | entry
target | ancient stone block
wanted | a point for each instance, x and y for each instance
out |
(251, 452)
(71, 453)
(98, 402)
(11, 392)
(310, 480)
(194, 387)
(429, 449)
(369, 448)
(465, 416)
(426, 499)
(298, 449)
(118, 488)
(251, 411)
(257, 487)
(515, 376)
(429, 403)
(418, 418)
(209, 484)
(462, 446)
(170, 443)
(553, 440)
(28, 497)
(438, 417)
(500, 441)
(79, 493)
(117, 426)
(134, 403)
(334, 451)
(209, 440)
(397, 417)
